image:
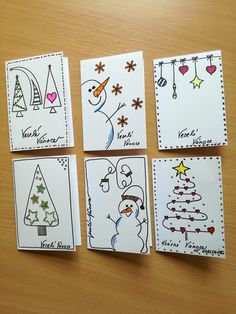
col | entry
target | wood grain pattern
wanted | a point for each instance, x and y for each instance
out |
(103, 282)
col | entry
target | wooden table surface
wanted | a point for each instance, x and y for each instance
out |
(104, 282)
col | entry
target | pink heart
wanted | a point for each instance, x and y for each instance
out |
(51, 97)
(183, 69)
(211, 69)
(211, 230)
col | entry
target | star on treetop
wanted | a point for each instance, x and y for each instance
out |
(181, 168)
(40, 188)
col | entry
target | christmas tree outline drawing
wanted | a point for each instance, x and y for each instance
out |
(40, 209)
(52, 98)
(35, 91)
(19, 104)
(185, 196)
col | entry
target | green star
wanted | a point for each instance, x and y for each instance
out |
(40, 188)
(44, 205)
(35, 199)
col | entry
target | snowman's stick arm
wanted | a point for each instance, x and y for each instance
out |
(109, 217)
(118, 108)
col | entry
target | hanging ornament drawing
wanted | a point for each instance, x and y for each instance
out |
(196, 81)
(183, 68)
(161, 81)
(19, 104)
(174, 95)
(52, 97)
(35, 91)
(210, 68)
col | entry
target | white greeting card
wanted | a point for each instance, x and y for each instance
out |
(117, 203)
(190, 102)
(46, 203)
(39, 104)
(113, 102)
(188, 203)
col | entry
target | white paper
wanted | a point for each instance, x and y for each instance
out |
(190, 102)
(39, 105)
(117, 204)
(46, 205)
(113, 102)
(188, 204)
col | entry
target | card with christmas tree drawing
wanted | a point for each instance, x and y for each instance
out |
(117, 204)
(190, 101)
(39, 104)
(113, 102)
(46, 203)
(188, 205)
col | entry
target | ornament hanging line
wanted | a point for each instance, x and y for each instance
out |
(174, 95)
(161, 81)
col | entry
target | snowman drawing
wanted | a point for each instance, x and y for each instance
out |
(100, 134)
(128, 226)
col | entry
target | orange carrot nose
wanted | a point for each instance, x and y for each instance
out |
(100, 88)
(126, 210)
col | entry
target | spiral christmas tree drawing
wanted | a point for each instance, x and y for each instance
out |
(19, 104)
(186, 211)
(40, 210)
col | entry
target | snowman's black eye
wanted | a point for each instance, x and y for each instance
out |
(93, 87)
(131, 205)
(90, 90)
(126, 205)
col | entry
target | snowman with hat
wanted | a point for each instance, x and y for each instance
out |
(128, 226)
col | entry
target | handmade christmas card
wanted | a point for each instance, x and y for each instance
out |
(113, 102)
(190, 102)
(39, 104)
(188, 205)
(117, 204)
(46, 203)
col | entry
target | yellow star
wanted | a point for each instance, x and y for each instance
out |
(196, 81)
(181, 169)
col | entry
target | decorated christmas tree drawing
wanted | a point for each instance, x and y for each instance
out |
(18, 99)
(186, 209)
(40, 210)
(37, 99)
(52, 97)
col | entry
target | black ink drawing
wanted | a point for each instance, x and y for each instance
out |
(52, 98)
(40, 210)
(187, 216)
(35, 91)
(19, 104)
(131, 228)
(161, 81)
(95, 96)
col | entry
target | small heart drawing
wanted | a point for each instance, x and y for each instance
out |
(183, 69)
(191, 218)
(178, 217)
(177, 187)
(186, 188)
(166, 217)
(172, 229)
(184, 210)
(193, 193)
(187, 180)
(182, 229)
(173, 201)
(211, 230)
(187, 201)
(211, 69)
(197, 230)
(52, 97)
(181, 193)
(173, 209)
(197, 211)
